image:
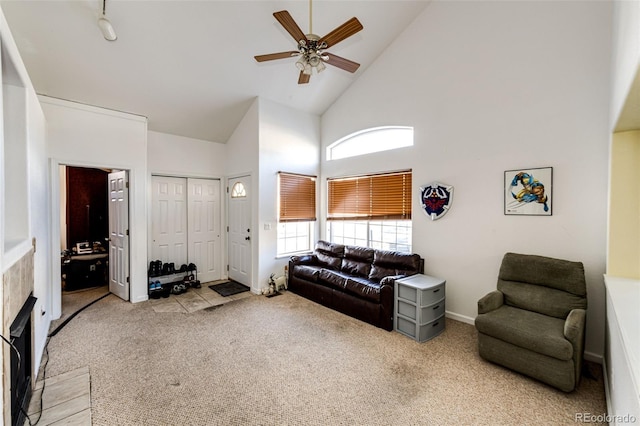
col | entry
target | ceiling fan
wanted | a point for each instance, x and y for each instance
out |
(311, 48)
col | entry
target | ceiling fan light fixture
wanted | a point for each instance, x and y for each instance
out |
(107, 29)
(307, 69)
(300, 63)
(105, 26)
(320, 67)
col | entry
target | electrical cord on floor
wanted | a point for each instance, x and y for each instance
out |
(18, 368)
(44, 372)
(46, 351)
(72, 316)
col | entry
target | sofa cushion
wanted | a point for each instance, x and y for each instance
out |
(387, 263)
(332, 249)
(329, 261)
(560, 274)
(364, 288)
(539, 333)
(333, 279)
(329, 254)
(379, 272)
(357, 261)
(361, 254)
(537, 298)
(355, 268)
(307, 272)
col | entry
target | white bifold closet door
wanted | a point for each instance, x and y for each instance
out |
(204, 223)
(186, 224)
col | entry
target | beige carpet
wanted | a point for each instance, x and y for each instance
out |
(286, 360)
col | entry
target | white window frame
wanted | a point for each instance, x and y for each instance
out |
(363, 233)
(294, 238)
(367, 141)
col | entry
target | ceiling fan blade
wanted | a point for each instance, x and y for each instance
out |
(290, 25)
(342, 63)
(280, 55)
(345, 30)
(304, 78)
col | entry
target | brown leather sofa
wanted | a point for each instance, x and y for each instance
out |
(356, 281)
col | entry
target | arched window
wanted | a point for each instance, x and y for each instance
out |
(238, 190)
(371, 140)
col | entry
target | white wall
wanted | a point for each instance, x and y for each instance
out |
(626, 53)
(271, 138)
(40, 222)
(289, 142)
(242, 160)
(36, 210)
(181, 156)
(489, 87)
(82, 135)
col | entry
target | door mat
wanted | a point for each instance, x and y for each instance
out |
(229, 288)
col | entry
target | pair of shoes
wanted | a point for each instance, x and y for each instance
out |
(155, 285)
(155, 268)
(168, 269)
(183, 268)
(192, 267)
(178, 288)
(190, 281)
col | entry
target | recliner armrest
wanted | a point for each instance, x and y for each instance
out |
(490, 302)
(574, 326)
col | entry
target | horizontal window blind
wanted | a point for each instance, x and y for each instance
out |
(297, 197)
(379, 196)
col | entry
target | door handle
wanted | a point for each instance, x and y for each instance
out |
(247, 238)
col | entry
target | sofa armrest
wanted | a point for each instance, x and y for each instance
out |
(574, 326)
(390, 280)
(305, 259)
(490, 302)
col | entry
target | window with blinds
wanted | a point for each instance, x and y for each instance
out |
(384, 196)
(297, 197)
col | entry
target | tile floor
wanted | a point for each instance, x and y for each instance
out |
(66, 399)
(195, 299)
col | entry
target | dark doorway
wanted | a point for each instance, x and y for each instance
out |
(87, 211)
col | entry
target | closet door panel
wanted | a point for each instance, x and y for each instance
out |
(169, 231)
(205, 228)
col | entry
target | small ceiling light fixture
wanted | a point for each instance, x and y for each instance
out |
(105, 26)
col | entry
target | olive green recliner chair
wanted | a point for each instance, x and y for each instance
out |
(534, 323)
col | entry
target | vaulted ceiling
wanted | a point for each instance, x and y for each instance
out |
(188, 65)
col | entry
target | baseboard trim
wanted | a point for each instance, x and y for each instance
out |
(592, 357)
(461, 318)
(607, 392)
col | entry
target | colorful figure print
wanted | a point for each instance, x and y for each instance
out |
(531, 191)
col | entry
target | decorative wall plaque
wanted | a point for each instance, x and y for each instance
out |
(436, 199)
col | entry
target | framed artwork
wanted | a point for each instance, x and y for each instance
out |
(528, 191)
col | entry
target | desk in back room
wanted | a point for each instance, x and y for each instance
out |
(85, 270)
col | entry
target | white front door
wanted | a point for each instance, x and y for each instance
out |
(204, 227)
(119, 234)
(240, 230)
(169, 220)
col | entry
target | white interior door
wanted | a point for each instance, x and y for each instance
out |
(119, 234)
(204, 227)
(169, 220)
(240, 230)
